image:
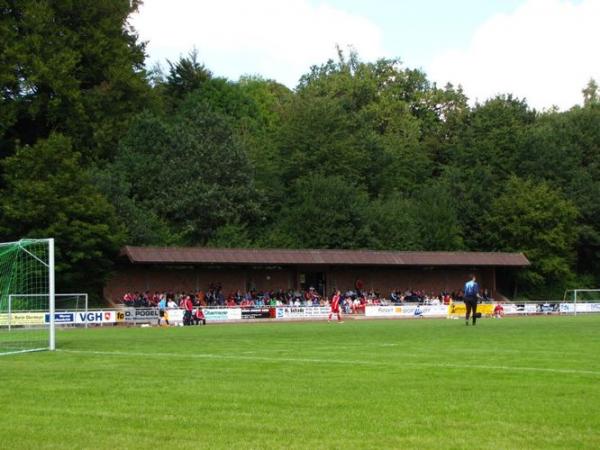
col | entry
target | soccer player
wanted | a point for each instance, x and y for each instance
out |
(335, 306)
(471, 295)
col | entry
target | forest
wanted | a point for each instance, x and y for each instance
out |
(99, 150)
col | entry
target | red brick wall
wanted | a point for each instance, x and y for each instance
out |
(132, 278)
(385, 280)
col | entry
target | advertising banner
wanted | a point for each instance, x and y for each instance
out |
(80, 318)
(222, 314)
(382, 311)
(406, 311)
(302, 312)
(174, 316)
(137, 315)
(460, 309)
(256, 313)
(570, 308)
(22, 318)
(511, 308)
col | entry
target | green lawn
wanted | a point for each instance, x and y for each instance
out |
(504, 384)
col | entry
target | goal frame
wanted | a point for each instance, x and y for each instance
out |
(575, 292)
(50, 265)
(65, 294)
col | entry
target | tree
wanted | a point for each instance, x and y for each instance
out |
(538, 220)
(564, 150)
(190, 170)
(69, 67)
(360, 120)
(185, 76)
(48, 195)
(590, 93)
(393, 224)
(485, 154)
(322, 212)
(437, 219)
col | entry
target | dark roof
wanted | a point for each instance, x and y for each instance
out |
(202, 255)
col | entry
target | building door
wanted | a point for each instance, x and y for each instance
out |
(312, 279)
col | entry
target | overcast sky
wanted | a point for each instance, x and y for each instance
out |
(543, 50)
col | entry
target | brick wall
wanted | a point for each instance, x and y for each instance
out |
(132, 278)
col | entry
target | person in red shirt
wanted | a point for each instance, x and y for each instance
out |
(188, 306)
(498, 311)
(199, 316)
(335, 306)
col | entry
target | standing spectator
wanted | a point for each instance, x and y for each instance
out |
(188, 307)
(470, 298)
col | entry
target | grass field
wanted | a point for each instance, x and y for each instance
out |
(504, 384)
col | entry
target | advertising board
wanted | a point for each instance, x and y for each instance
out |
(256, 313)
(22, 318)
(406, 311)
(302, 312)
(80, 318)
(222, 314)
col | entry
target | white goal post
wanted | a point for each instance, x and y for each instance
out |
(74, 302)
(582, 297)
(27, 294)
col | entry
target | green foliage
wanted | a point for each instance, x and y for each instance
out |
(323, 212)
(47, 194)
(233, 235)
(142, 224)
(437, 220)
(361, 154)
(538, 220)
(358, 120)
(70, 67)
(393, 224)
(185, 76)
(190, 171)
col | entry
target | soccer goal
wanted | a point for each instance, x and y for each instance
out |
(576, 301)
(27, 297)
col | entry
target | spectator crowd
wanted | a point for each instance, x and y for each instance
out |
(353, 300)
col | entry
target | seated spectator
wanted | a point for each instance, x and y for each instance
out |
(485, 296)
(498, 311)
(238, 297)
(199, 317)
(128, 299)
(171, 304)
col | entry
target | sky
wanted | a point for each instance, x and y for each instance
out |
(542, 50)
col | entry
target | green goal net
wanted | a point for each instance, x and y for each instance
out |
(27, 296)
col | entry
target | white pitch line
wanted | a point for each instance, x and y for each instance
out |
(335, 361)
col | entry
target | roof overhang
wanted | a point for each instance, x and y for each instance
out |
(228, 256)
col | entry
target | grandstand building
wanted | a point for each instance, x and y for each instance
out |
(195, 268)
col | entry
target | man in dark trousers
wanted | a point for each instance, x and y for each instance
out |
(471, 296)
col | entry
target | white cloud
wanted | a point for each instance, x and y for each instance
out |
(546, 51)
(277, 39)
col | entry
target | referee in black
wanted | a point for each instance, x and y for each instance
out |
(471, 296)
